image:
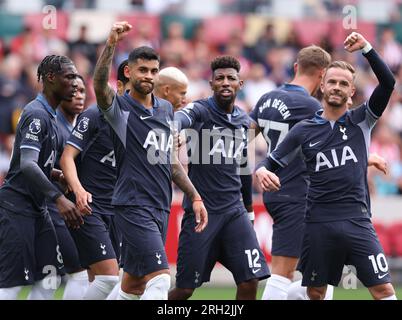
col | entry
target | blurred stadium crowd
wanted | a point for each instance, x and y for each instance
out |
(251, 30)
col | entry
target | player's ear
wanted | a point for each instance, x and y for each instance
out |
(211, 85)
(166, 90)
(353, 91)
(241, 82)
(295, 67)
(50, 77)
(127, 72)
(322, 85)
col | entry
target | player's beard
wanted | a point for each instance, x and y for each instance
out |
(335, 103)
(225, 101)
(145, 90)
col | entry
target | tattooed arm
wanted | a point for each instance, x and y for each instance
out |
(181, 179)
(104, 93)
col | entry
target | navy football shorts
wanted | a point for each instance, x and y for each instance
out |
(97, 239)
(230, 239)
(68, 248)
(29, 250)
(328, 246)
(143, 232)
(288, 227)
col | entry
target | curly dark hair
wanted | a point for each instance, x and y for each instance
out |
(224, 62)
(52, 63)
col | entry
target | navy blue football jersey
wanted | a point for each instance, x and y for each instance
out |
(276, 113)
(96, 164)
(142, 142)
(36, 129)
(64, 130)
(215, 152)
(336, 155)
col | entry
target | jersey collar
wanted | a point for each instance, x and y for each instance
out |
(41, 98)
(295, 87)
(155, 102)
(319, 119)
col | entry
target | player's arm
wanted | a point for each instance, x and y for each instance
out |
(284, 153)
(38, 180)
(382, 93)
(378, 162)
(247, 185)
(67, 164)
(104, 93)
(188, 116)
(254, 130)
(181, 179)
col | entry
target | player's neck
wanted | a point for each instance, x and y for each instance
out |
(50, 98)
(305, 82)
(333, 113)
(145, 100)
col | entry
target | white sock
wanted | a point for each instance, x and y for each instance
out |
(298, 292)
(393, 297)
(329, 295)
(76, 286)
(276, 288)
(44, 289)
(157, 288)
(126, 296)
(115, 292)
(100, 288)
(10, 293)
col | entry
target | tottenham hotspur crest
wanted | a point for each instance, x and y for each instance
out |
(343, 130)
(83, 125)
(34, 126)
(158, 256)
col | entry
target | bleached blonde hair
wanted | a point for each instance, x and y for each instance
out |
(172, 73)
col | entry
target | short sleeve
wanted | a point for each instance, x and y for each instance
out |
(33, 129)
(87, 126)
(190, 114)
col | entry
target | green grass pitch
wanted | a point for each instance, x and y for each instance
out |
(228, 293)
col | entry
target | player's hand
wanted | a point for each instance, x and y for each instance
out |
(119, 31)
(69, 212)
(268, 180)
(83, 200)
(201, 215)
(378, 162)
(355, 41)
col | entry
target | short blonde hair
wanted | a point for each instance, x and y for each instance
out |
(343, 65)
(311, 59)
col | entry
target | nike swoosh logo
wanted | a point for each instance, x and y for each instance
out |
(145, 117)
(254, 271)
(214, 127)
(313, 144)
(380, 276)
